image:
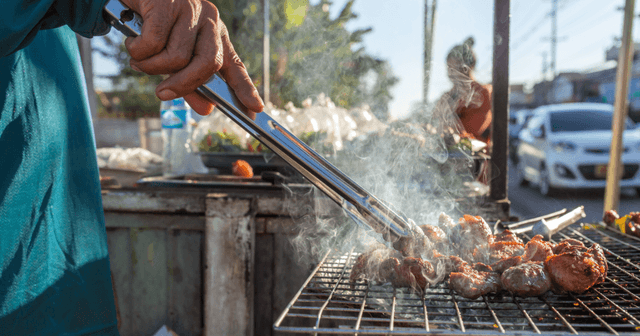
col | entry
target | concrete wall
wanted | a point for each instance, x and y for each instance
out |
(116, 132)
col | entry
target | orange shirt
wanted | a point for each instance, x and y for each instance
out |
(474, 111)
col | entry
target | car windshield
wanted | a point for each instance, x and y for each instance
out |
(575, 121)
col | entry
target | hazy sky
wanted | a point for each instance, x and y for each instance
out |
(586, 29)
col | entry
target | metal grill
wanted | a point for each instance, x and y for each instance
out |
(329, 304)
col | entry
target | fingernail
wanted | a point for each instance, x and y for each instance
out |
(167, 94)
(135, 68)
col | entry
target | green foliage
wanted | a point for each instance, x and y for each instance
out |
(134, 92)
(220, 142)
(310, 53)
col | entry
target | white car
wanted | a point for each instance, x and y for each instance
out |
(566, 146)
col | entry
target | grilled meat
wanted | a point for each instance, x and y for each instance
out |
(576, 271)
(420, 269)
(369, 265)
(507, 236)
(504, 264)
(528, 279)
(569, 245)
(503, 250)
(610, 217)
(537, 249)
(437, 236)
(473, 235)
(473, 284)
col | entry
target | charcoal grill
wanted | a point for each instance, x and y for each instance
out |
(328, 303)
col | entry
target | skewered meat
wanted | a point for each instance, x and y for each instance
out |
(569, 245)
(473, 284)
(610, 217)
(576, 271)
(528, 279)
(507, 236)
(537, 249)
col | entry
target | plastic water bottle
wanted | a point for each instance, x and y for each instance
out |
(178, 158)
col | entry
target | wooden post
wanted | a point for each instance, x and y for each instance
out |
(229, 257)
(614, 170)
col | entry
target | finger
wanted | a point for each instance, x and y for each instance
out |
(199, 70)
(235, 73)
(177, 54)
(154, 34)
(200, 104)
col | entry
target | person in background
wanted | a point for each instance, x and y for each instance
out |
(54, 265)
(469, 100)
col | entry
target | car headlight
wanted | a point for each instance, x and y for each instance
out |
(564, 146)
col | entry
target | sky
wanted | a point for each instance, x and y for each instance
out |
(586, 29)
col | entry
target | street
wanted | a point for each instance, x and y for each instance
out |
(526, 202)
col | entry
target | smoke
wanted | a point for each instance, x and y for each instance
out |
(413, 165)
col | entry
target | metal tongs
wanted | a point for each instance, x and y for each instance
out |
(361, 205)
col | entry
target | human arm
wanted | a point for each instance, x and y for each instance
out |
(187, 40)
(20, 20)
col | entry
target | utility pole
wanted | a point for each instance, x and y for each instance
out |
(266, 53)
(623, 73)
(429, 24)
(554, 36)
(544, 66)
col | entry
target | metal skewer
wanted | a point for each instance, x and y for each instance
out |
(359, 204)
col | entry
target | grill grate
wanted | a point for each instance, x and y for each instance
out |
(329, 304)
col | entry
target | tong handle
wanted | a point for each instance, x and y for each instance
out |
(359, 204)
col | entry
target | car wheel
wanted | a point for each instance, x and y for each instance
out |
(522, 181)
(545, 188)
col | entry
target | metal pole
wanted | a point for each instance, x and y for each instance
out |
(500, 103)
(266, 53)
(614, 170)
(429, 25)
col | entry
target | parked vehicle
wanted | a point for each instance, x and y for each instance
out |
(566, 146)
(516, 122)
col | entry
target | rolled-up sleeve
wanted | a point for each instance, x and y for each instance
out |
(20, 20)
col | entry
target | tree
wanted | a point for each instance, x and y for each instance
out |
(311, 54)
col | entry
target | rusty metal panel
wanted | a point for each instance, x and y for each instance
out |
(185, 282)
(141, 201)
(149, 282)
(119, 245)
(230, 244)
(264, 314)
(289, 272)
(153, 221)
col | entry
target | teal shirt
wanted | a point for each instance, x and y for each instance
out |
(54, 266)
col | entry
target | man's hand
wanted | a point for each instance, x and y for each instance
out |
(187, 40)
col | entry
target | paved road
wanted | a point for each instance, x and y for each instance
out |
(526, 202)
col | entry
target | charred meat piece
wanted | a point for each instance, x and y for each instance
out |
(537, 249)
(369, 265)
(437, 236)
(569, 245)
(528, 279)
(473, 284)
(576, 271)
(507, 236)
(420, 269)
(416, 246)
(502, 265)
(610, 217)
(632, 228)
(503, 250)
(598, 255)
(480, 267)
(457, 264)
(473, 235)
